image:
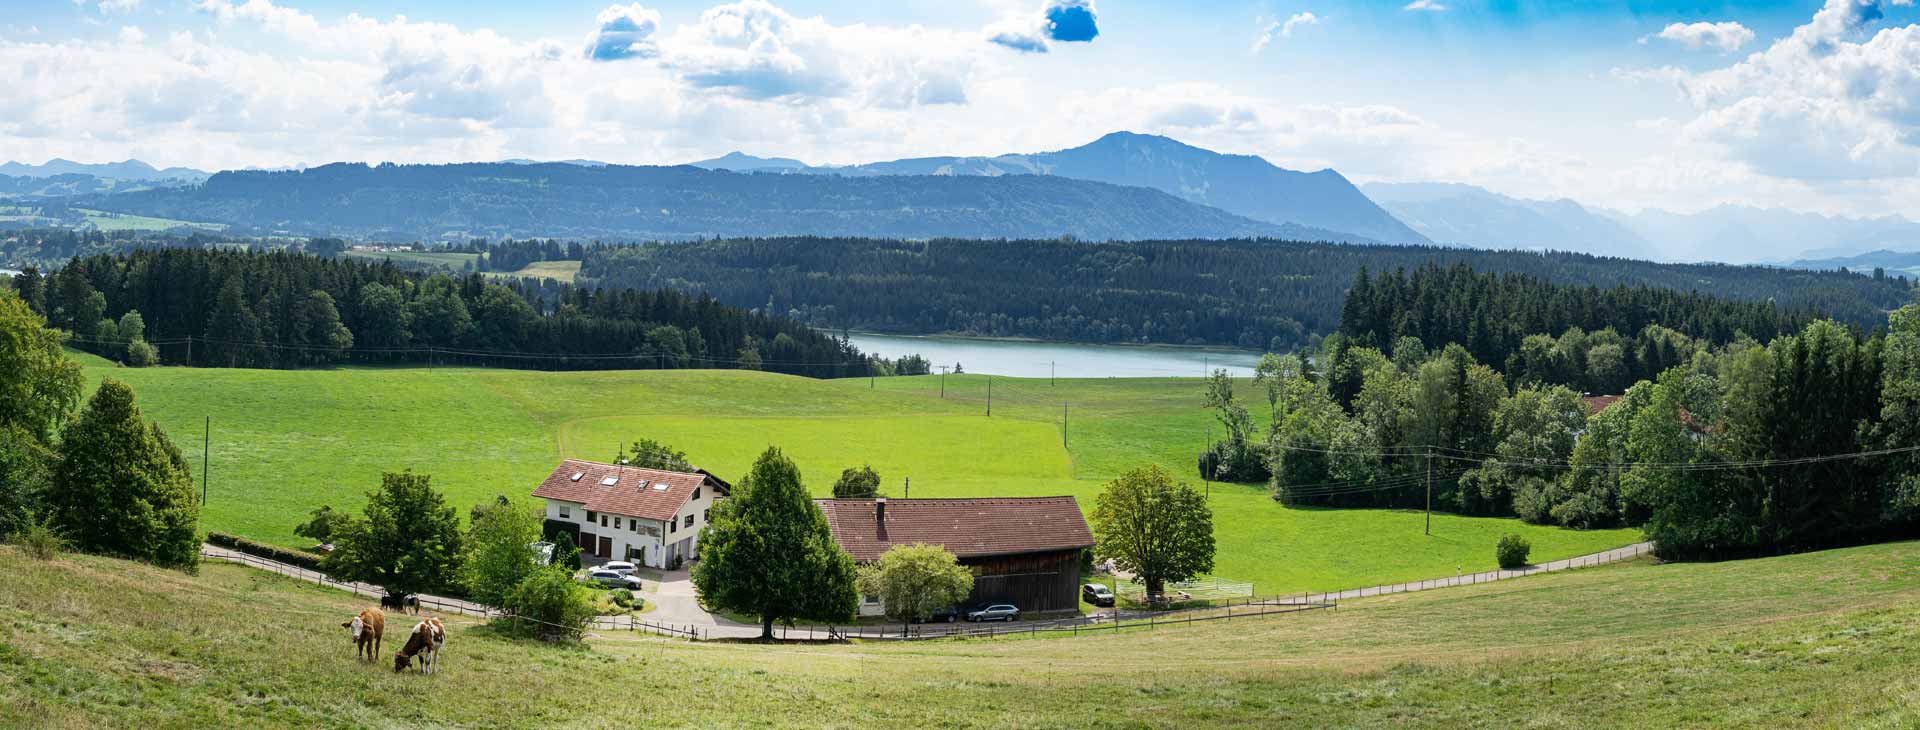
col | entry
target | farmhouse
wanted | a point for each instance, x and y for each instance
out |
(614, 512)
(1022, 550)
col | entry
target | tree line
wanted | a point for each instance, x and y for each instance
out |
(1744, 447)
(287, 310)
(1261, 294)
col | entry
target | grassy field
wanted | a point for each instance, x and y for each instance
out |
(286, 442)
(419, 259)
(1823, 640)
(559, 270)
(129, 222)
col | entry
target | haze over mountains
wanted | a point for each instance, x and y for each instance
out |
(456, 202)
(1225, 196)
(1240, 184)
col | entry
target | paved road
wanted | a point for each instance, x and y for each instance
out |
(676, 605)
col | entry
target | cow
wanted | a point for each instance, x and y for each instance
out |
(367, 628)
(401, 602)
(424, 642)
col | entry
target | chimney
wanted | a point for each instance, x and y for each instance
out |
(880, 516)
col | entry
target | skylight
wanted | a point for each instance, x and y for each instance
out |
(576, 475)
(660, 486)
(609, 481)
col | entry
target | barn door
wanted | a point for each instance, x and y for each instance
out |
(586, 542)
(606, 548)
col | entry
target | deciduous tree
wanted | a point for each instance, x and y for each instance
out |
(1157, 529)
(912, 581)
(407, 542)
(768, 552)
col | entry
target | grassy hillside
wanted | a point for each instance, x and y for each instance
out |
(558, 270)
(1819, 640)
(286, 442)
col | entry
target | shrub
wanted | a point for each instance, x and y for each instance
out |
(621, 597)
(301, 558)
(555, 607)
(40, 540)
(1243, 463)
(141, 355)
(1512, 551)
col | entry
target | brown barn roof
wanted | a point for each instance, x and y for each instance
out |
(634, 491)
(1598, 403)
(973, 527)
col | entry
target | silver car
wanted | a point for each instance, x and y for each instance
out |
(995, 612)
(612, 579)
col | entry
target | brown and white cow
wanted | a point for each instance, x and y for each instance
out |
(424, 642)
(367, 628)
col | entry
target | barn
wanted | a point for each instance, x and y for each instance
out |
(1023, 550)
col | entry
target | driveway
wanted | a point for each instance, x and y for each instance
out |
(675, 603)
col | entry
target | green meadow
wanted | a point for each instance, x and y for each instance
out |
(1821, 640)
(286, 442)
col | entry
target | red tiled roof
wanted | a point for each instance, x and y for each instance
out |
(965, 527)
(1598, 403)
(633, 493)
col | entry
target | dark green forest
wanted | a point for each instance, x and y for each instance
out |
(1259, 294)
(220, 308)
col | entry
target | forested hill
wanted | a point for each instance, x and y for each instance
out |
(501, 200)
(1258, 294)
(231, 309)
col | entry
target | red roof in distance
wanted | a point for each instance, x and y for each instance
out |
(968, 527)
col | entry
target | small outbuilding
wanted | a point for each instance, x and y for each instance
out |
(1022, 550)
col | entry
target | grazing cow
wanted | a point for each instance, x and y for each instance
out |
(424, 642)
(367, 628)
(401, 603)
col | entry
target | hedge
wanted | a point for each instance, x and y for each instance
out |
(302, 558)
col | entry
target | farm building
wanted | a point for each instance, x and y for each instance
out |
(1022, 550)
(645, 516)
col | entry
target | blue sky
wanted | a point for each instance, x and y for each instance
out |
(1808, 105)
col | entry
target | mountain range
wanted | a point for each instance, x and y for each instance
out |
(1472, 216)
(1240, 184)
(455, 202)
(130, 170)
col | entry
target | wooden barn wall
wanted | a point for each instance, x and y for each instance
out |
(1037, 582)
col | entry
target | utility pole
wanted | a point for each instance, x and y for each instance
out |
(206, 444)
(1050, 372)
(1429, 491)
(1063, 424)
(943, 382)
(907, 492)
(190, 356)
(989, 396)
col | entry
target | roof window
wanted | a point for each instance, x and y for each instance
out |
(576, 476)
(609, 481)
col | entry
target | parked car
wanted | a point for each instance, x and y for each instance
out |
(995, 612)
(619, 566)
(945, 615)
(610, 579)
(1096, 594)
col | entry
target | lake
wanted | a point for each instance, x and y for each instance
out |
(9, 272)
(1031, 359)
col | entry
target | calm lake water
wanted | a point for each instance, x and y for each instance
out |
(9, 272)
(1067, 360)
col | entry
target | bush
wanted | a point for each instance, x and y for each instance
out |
(301, 558)
(1241, 464)
(141, 355)
(555, 607)
(40, 540)
(621, 597)
(1512, 551)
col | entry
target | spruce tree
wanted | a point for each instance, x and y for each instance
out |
(121, 487)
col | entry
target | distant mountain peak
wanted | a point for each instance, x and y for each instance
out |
(738, 161)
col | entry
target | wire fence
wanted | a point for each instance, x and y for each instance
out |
(1090, 625)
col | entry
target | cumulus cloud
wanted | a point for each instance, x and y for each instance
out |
(119, 6)
(624, 31)
(1063, 21)
(1283, 29)
(1727, 36)
(1827, 103)
(756, 50)
(132, 35)
(1427, 5)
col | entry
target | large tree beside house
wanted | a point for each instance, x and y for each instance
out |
(768, 552)
(1159, 530)
(407, 541)
(912, 581)
(496, 556)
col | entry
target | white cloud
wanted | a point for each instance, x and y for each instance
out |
(624, 31)
(132, 35)
(1826, 103)
(119, 6)
(1428, 5)
(1727, 36)
(1057, 21)
(1283, 29)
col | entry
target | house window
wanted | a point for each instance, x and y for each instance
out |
(616, 523)
(696, 493)
(689, 520)
(706, 515)
(589, 517)
(563, 513)
(603, 520)
(872, 599)
(673, 526)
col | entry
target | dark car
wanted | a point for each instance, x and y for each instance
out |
(1096, 594)
(945, 615)
(995, 612)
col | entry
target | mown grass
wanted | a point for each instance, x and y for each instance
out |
(286, 442)
(128, 222)
(419, 259)
(557, 270)
(1817, 640)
